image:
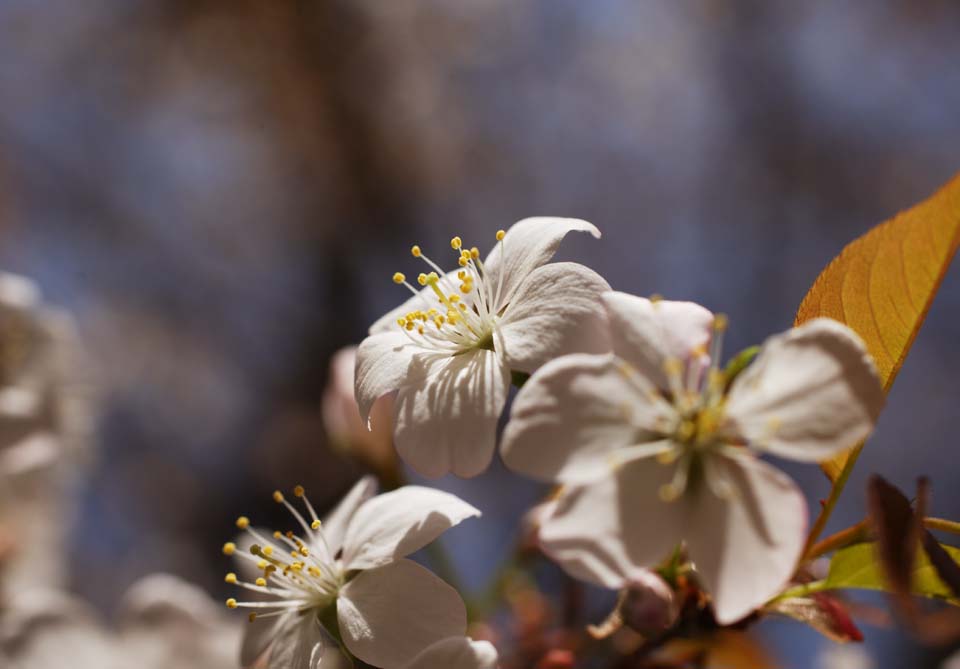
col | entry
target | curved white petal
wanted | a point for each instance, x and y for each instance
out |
(647, 333)
(812, 392)
(457, 652)
(446, 417)
(607, 531)
(423, 300)
(299, 643)
(527, 245)
(745, 547)
(556, 310)
(388, 615)
(382, 363)
(334, 526)
(575, 413)
(259, 634)
(395, 524)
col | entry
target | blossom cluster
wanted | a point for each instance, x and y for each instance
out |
(654, 445)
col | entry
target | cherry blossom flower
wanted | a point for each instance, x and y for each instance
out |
(656, 448)
(448, 352)
(456, 653)
(347, 578)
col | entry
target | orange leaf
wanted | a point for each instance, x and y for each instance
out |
(882, 284)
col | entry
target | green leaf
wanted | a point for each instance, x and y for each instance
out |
(738, 363)
(858, 567)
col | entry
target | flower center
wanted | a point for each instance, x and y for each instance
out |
(459, 311)
(697, 393)
(297, 573)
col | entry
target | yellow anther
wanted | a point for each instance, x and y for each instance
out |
(229, 548)
(276, 534)
(289, 534)
(298, 491)
(474, 253)
(263, 564)
(262, 582)
(251, 617)
(268, 550)
(454, 298)
(304, 551)
(269, 569)
(500, 235)
(277, 496)
(466, 288)
(243, 522)
(401, 322)
(438, 321)
(720, 322)
(456, 243)
(408, 325)
(231, 603)
(230, 578)
(462, 261)
(315, 525)
(422, 279)
(420, 330)
(432, 278)
(398, 277)
(656, 297)
(415, 251)
(314, 571)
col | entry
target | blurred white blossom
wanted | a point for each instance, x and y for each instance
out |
(655, 447)
(456, 653)
(347, 578)
(45, 417)
(449, 350)
(163, 622)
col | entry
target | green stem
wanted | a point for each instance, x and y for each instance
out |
(831, 502)
(851, 535)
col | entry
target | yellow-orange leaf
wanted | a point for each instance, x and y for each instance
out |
(882, 284)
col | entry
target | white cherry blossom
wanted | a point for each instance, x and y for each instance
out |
(347, 578)
(656, 448)
(448, 352)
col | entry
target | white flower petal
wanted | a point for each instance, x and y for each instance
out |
(556, 310)
(745, 547)
(646, 333)
(299, 643)
(573, 415)
(335, 524)
(607, 531)
(446, 417)
(527, 245)
(423, 300)
(457, 652)
(812, 392)
(382, 363)
(259, 634)
(388, 615)
(395, 524)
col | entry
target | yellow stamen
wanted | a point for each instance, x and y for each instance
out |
(262, 582)
(315, 525)
(456, 243)
(243, 522)
(298, 491)
(422, 279)
(500, 235)
(229, 548)
(231, 603)
(399, 277)
(230, 578)
(277, 496)
(415, 251)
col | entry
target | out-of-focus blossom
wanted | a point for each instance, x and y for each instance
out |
(164, 622)
(656, 448)
(850, 656)
(346, 577)
(341, 416)
(44, 429)
(449, 350)
(456, 653)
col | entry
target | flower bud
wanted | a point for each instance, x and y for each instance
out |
(341, 417)
(650, 606)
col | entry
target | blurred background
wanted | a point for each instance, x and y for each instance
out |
(220, 191)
